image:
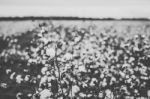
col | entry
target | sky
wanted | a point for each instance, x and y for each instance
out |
(80, 8)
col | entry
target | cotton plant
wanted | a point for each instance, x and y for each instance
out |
(45, 94)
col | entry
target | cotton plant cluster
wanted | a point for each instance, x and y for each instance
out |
(57, 62)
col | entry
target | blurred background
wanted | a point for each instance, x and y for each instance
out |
(79, 8)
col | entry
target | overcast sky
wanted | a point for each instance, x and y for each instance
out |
(81, 8)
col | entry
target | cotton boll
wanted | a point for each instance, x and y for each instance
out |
(92, 81)
(75, 89)
(48, 73)
(49, 84)
(84, 85)
(3, 85)
(26, 70)
(127, 77)
(82, 95)
(68, 56)
(136, 91)
(109, 94)
(136, 36)
(92, 84)
(50, 52)
(82, 68)
(89, 95)
(140, 98)
(19, 79)
(148, 93)
(38, 76)
(43, 70)
(57, 73)
(113, 79)
(129, 80)
(39, 35)
(123, 87)
(100, 95)
(45, 94)
(50, 78)
(133, 77)
(44, 40)
(8, 71)
(77, 39)
(122, 74)
(102, 76)
(18, 95)
(29, 95)
(43, 80)
(27, 78)
(104, 83)
(12, 75)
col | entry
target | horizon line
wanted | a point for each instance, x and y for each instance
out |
(18, 18)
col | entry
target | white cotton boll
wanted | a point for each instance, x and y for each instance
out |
(48, 73)
(136, 49)
(140, 98)
(29, 95)
(77, 39)
(45, 94)
(8, 71)
(68, 56)
(131, 71)
(131, 59)
(100, 95)
(136, 36)
(89, 95)
(104, 84)
(43, 80)
(127, 77)
(102, 76)
(129, 80)
(39, 34)
(75, 89)
(109, 94)
(12, 75)
(19, 79)
(136, 91)
(50, 52)
(123, 87)
(27, 78)
(43, 70)
(3, 85)
(84, 85)
(113, 79)
(133, 77)
(82, 68)
(50, 78)
(57, 73)
(144, 78)
(45, 40)
(18, 95)
(122, 74)
(38, 76)
(26, 70)
(92, 81)
(82, 94)
(49, 84)
(148, 93)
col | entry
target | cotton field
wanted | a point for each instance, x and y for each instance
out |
(90, 60)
